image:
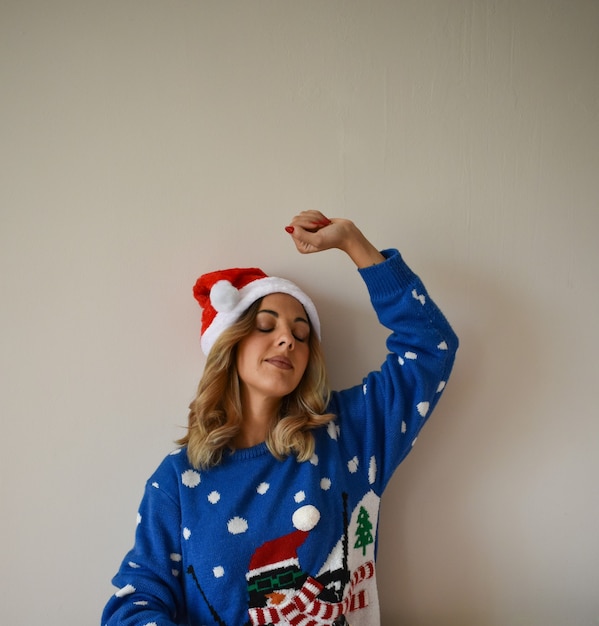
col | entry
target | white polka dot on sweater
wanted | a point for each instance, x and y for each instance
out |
(353, 464)
(422, 408)
(186, 533)
(237, 525)
(300, 496)
(125, 591)
(420, 297)
(190, 478)
(333, 430)
(218, 571)
(372, 470)
(441, 386)
(325, 484)
(213, 497)
(263, 488)
(442, 345)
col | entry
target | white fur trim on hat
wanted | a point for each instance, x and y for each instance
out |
(230, 303)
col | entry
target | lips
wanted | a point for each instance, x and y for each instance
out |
(281, 362)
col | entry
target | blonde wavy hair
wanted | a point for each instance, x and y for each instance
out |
(216, 415)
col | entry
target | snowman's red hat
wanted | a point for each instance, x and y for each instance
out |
(281, 553)
(225, 294)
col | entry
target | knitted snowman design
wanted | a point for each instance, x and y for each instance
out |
(281, 592)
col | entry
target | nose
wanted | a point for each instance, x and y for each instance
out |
(286, 337)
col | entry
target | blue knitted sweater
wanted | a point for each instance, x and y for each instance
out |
(256, 540)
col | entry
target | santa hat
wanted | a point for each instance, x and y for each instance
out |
(225, 294)
(281, 553)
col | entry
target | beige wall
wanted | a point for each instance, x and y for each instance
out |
(143, 142)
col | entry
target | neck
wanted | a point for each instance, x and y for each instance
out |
(258, 417)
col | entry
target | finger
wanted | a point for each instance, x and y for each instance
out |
(311, 220)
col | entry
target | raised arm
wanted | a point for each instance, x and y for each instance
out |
(381, 417)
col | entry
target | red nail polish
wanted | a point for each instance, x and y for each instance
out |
(289, 229)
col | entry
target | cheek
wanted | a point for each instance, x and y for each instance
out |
(304, 360)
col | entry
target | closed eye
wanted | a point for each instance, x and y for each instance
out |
(265, 316)
(298, 337)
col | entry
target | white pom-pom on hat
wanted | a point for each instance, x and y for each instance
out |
(224, 296)
(306, 517)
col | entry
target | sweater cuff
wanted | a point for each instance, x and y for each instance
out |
(388, 277)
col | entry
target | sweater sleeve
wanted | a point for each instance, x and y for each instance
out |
(149, 589)
(380, 419)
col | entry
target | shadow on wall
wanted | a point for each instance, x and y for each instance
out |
(450, 517)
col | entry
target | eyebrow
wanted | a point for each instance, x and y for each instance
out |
(275, 314)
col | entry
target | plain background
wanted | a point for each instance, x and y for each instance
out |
(144, 142)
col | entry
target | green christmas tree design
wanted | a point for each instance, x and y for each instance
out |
(364, 531)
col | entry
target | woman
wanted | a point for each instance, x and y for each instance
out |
(267, 513)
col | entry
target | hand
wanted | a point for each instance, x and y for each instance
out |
(312, 232)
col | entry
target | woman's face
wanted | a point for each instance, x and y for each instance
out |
(272, 358)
